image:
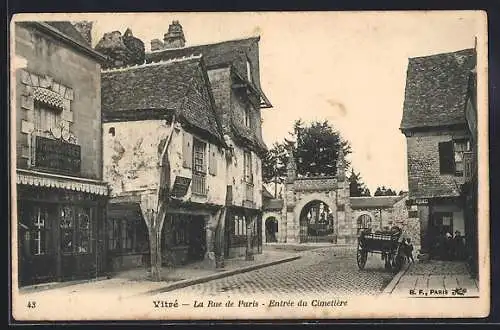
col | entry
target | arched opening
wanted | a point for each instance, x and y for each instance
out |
(271, 230)
(364, 222)
(316, 222)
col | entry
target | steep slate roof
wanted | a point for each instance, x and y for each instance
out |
(69, 30)
(165, 86)
(215, 54)
(374, 202)
(436, 89)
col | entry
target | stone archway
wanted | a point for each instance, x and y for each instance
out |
(316, 221)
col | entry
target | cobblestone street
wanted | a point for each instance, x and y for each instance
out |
(326, 270)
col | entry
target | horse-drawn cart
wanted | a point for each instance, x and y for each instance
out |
(388, 244)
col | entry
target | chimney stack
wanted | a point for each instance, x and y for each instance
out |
(174, 38)
(156, 44)
(85, 29)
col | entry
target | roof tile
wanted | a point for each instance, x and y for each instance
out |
(436, 89)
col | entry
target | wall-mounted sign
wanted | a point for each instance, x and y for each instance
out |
(421, 201)
(58, 155)
(181, 185)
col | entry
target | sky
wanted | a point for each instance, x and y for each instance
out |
(348, 68)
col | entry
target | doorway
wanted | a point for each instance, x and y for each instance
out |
(271, 230)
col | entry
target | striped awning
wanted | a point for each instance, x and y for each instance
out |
(34, 178)
(49, 97)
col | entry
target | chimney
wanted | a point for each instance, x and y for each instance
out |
(174, 38)
(156, 44)
(85, 29)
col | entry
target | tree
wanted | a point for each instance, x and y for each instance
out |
(356, 186)
(384, 192)
(315, 149)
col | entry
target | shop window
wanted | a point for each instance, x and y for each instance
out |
(240, 228)
(113, 234)
(40, 231)
(67, 222)
(83, 235)
(76, 230)
(181, 231)
(122, 235)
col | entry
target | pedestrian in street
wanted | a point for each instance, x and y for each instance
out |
(408, 250)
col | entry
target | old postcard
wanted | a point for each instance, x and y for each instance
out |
(240, 166)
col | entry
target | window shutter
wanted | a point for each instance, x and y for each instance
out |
(187, 150)
(446, 158)
(212, 160)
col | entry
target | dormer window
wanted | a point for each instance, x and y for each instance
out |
(249, 71)
(247, 117)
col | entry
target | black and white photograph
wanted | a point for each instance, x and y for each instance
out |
(250, 165)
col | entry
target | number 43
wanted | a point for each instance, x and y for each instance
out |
(31, 304)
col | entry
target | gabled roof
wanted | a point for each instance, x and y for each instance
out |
(374, 202)
(69, 30)
(161, 87)
(67, 33)
(436, 89)
(215, 54)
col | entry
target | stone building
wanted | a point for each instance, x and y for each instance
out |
(440, 128)
(198, 152)
(384, 212)
(61, 198)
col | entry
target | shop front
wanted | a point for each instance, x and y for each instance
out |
(60, 223)
(242, 225)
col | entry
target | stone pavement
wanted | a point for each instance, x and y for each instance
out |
(137, 281)
(435, 278)
(325, 271)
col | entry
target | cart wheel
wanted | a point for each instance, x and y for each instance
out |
(361, 256)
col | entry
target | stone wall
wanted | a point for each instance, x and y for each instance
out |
(75, 76)
(424, 178)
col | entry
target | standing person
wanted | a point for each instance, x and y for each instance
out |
(409, 250)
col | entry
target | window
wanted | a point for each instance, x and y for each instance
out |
(451, 155)
(45, 118)
(459, 147)
(83, 235)
(180, 226)
(248, 167)
(199, 156)
(39, 234)
(113, 234)
(76, 230)
(240, 228)
(248, 118)
(249, 71)
(199, 168)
